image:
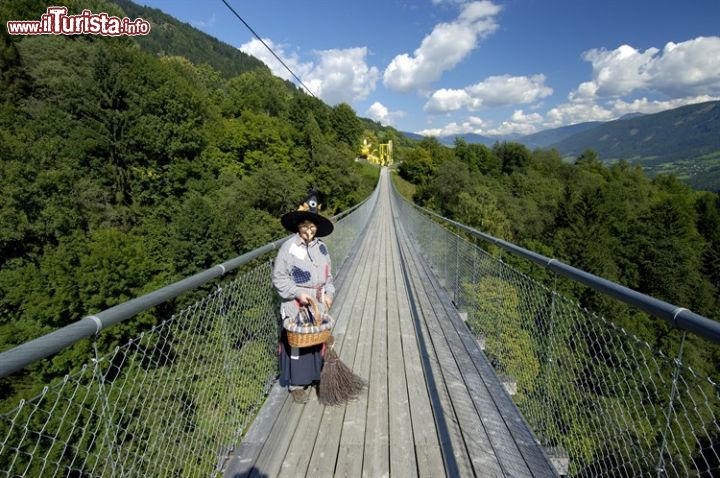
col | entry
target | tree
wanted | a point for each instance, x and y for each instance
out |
(512, 156)
(669, 248)
(443, 189)
(258, 91)
(478, 157)
(708, 225)
(346, 125)
(417, 167)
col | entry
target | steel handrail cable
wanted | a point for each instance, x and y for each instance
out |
(677, 316)
(24, 354)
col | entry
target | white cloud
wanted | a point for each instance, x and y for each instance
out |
(507, 90)
(618, 72)
(255, 48)
(582, 111)
(472, 124)
(445, 100)
(576, 112)
(688, 68)
(685, 69)
(686, 72)
(448, 130)
(342, 75)
(643, 105)
(477, 122)
(494, 91)
(338, 76)
(379, 112)
(519, 123)
(447, 45)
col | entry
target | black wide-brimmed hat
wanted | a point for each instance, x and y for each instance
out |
(308, 210)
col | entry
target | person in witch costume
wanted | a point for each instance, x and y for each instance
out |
(301, 272)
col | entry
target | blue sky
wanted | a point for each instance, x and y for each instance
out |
(485, 67)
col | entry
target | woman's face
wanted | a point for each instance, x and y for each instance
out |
(307, 230)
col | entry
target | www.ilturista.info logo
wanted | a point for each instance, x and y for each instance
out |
(57, 22)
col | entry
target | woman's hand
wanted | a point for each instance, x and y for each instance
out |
(303, 298)
(328, 302)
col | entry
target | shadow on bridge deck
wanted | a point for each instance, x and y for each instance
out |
(434, 406)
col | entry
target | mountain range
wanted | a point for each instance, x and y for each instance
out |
(684, 141)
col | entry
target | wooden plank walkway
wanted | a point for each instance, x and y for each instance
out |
(433, 406)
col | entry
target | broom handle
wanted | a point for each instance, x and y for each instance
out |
(316, 311)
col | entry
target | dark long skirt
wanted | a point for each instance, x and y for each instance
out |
(299, 366)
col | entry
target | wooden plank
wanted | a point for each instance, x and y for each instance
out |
(391, 335)
(512, 440)
(455, 416)
(376, 461)
(270, 458)
(241, 465)
(504, 413)
(327, 445)
(300, 447)
(403, 460)
(298, 456)
(353, 433)
(427, 445)
(462, 379)
(494, 404)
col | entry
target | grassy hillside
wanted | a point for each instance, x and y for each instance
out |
(684, 141)
(547, 137)
(682, 133)
(173, 37)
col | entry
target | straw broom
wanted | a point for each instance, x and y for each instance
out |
(338, 384)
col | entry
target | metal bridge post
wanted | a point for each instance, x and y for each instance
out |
(673, 392)
(110, 432)
(430, 248)
(474, 264)
(457, 269)
(500, 353)
(549, 363)
(446, 259)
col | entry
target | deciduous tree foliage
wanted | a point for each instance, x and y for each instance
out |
(656, 236)
(122, 171)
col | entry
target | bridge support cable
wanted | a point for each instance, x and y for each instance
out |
(602, 401)
(176, 399)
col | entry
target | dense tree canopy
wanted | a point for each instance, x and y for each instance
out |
(576, 366)
(656, 236)
(122, 171)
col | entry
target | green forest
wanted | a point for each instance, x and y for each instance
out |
(126, 166)
(122, 172)
(657, 236)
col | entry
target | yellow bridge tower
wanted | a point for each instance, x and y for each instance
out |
(384, 158)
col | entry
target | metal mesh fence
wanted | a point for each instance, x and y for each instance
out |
(348, 230)
(601, 401)
(172, 402)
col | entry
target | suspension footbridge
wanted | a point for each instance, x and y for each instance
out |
(433, 405)
(473, 369)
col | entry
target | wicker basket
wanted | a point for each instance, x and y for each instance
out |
(309, 335)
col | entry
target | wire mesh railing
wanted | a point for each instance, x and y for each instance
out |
(600, 400)
(173, 401)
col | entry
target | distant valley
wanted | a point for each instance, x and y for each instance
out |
(683, 141)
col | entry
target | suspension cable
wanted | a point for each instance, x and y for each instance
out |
(269, 49)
